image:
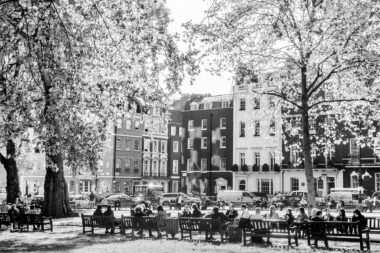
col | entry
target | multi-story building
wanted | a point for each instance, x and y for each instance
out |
(257, 149)
(176, 135)
(155, 147)
(207, 147)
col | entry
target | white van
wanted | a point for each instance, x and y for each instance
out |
(348, 195)
(235, 196)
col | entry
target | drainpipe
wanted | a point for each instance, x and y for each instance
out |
(114, 161)
(210, 158)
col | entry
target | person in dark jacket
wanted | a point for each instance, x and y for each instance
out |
(138, 213)
(318, 216)
(98, 211)
(196, 213)
(109, 213)
(358, 217)
(341, 215)
(219, 216)
(231, 212)
(289, 218)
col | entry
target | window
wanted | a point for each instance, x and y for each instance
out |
(146, 168)
(256, 157)
(136, 164)
(190, 143)
(173, 130)
(223, 123)
(119, 123)
(175, 146)
(377, 181)
(204, 164)
(193, 107)
(242, 185)
(127, 167)
(146, 145)
(175, 186)
(163, 146)
(242, 159)
(256, 103)
(137, 125)
(223, 142)
(272, 128)
(85, 186)
(203, 142)
(204, 124)
(118, 143)
(266, 186)
(127, 144)
(175, 167)
(155, 146)
(242, 104)
(181, 132)
(257, 128)
(190, 125)
(272, 160)
(155, 168)
(294, 184)
(242, 129)
(163, 168)
(190, 165)
(137, 145)
(118, 165)
(207, 105)
(312, 126)
(223, 164)
(294, 156)
(354, 147)
(225, 104)
(128, 124)
(271, 102)
(354, 181)
(319, 183)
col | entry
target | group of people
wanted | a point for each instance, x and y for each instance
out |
(18, 212)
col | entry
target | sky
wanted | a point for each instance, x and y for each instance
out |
(181, 12)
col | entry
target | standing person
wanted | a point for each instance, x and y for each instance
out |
(244, 217)
(179, 201)
(358, 217)
(231, 212)
(196, 213)
(161, 220)
(272, 213)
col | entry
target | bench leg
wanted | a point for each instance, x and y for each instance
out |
(181, 235)
(361, 245)
(326, 243)
(191, 236)
(316, 243)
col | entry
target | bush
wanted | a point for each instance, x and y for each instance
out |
(255, 167)
(235, 167)
(244, 167)
(265, 167)
(276, 167)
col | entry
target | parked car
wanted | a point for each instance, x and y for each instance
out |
(171, 198)
(81, 201)
(125, 200)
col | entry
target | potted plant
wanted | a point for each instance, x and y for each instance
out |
(244, 167)
(276, 167)
(235, 167)
(255, 167)
(265, 167)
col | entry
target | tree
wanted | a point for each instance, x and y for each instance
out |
(72, 66)
(315, 56)
(13, 184)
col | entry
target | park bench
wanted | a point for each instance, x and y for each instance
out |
(128, 222)
(270, 229)
(90, 221)
(38, 221)
(5, 219)
(337, 231)
(207, 225)
(148, 223)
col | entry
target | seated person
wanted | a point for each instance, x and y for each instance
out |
(147, 211)
(161, 220)
(196, 213)
(302, 217)
(186, 211)
(138, 213)
(272, 213)
(318, 216)
(257, 215)
(220, 216)
(231, 212)
(98, 211)
(109, 213)
(358, 217)
(289, 218)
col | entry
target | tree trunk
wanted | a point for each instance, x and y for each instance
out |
(13, 183)
(56, 199)
(306, 144)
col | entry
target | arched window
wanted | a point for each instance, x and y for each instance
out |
(242, 185)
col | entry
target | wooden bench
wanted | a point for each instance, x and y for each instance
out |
(373, 225)
(5, 219)
(207, 225)
(38, 221)
(90, 221)
(270, 229)
(127, 222)
(148, 223)
(337, 231)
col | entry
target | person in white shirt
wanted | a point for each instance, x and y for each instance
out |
(257, 215)
(244, 217)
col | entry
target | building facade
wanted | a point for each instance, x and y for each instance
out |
(207, 146)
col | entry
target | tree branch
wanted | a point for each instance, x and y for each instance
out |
(340, 101)
(283, 97)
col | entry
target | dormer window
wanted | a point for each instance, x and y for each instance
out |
(193, 106)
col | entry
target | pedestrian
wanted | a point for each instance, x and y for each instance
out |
(244, 220)
(161, 220)
(216, 215)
